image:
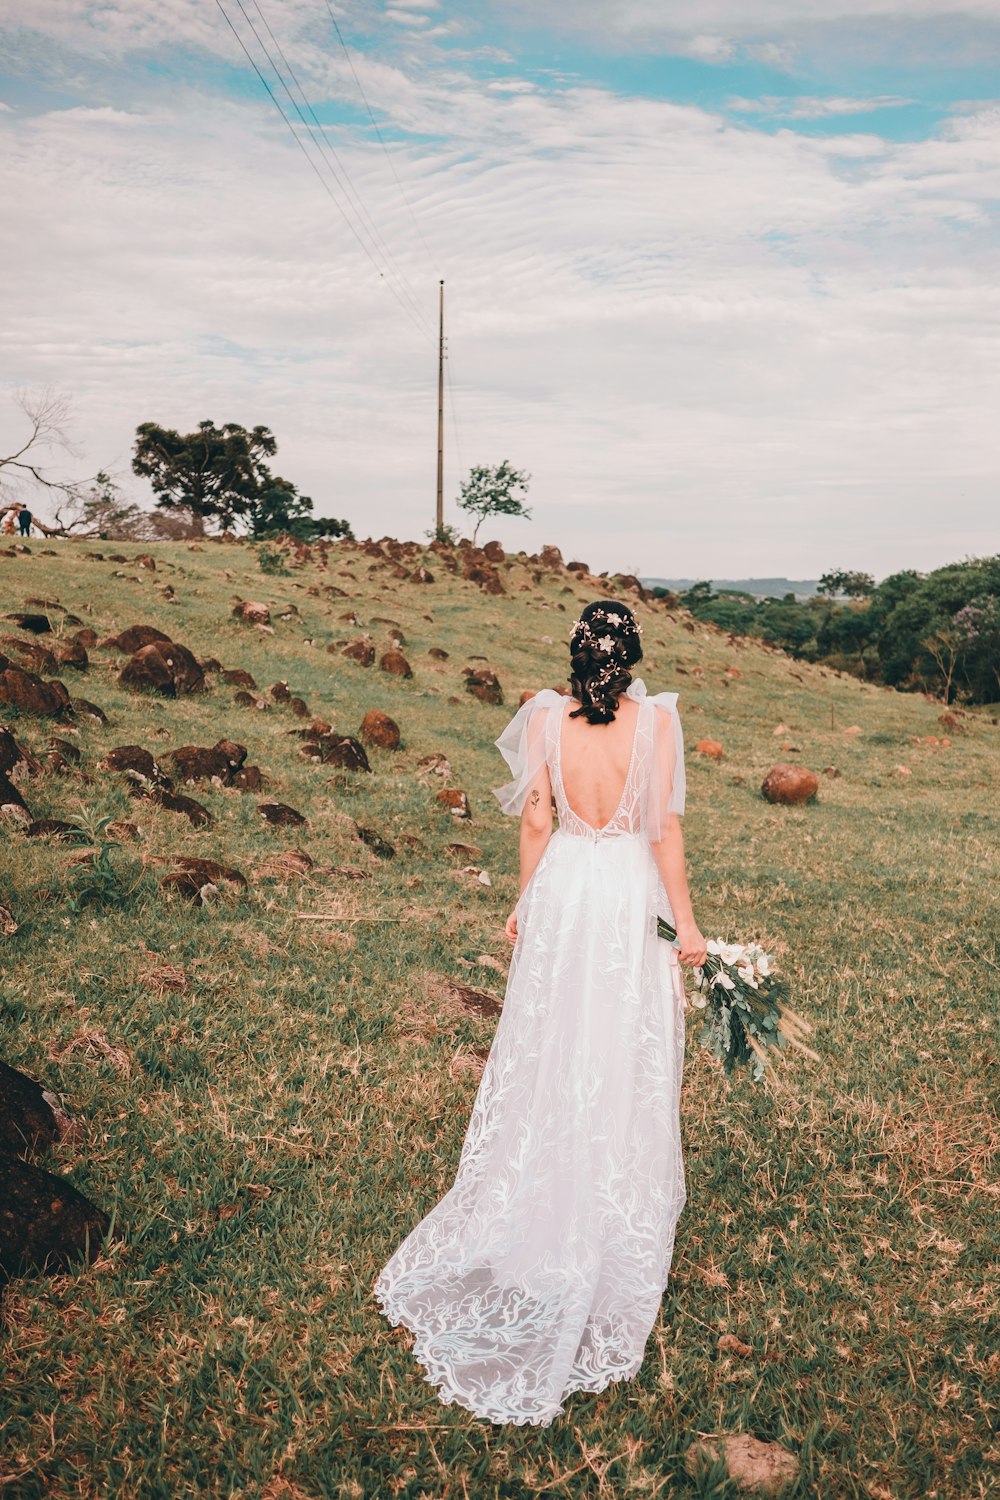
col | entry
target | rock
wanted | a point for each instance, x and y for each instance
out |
(789, 785)
(766, 1468)
(200, 873)
(710, 748)
(831, 771)
(249, 779)
(577, 567)
(84, 709)
(494, 552)
(484, 685)
(283, 866)
(14, 757)
(238, 678)
(343, 750)
(13, 808)
(137, 764)
(464, 851)
(361, 651)
(199, 763)
(280, 815)
(30, 695)
(299, 707)
(526, 697)
(550, 557)
(143, 560)
(950, 721)
(395, 663)
(479, 1002)
(455, 801)
(421, 575)
(902, 771)
(29, 1122)
(28, 654)
(86, 638)
(197, 815)
(132, 640)
(852, 729)
(251, 700)
(486, 576)
(279, 692)
(51, 828)
(438, 653)
(252, 612)
(378, 729)
(64, 749)
(8, 924)
(70, 653)
(123, 831)
(163, 667)
(435, 764)
(376, 843)
(37, 624)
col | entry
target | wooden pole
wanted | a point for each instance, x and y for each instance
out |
(440, 470)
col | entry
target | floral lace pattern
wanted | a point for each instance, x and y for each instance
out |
(540, 1272)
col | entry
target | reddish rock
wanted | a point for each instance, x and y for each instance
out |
(279, 692)
(252, 612)
(379, 846)
(550, 557)
(51, 828)
(280, 815)
(132, 640)
(299, 707)
(494, 552)
(455, 801)
(86, 637)
(84, 709)
(251, 700)
(577, 567)
(70, 653)
(421, 575)
(378, 729)
(361, 651)
(950, 721)
(13, 807)
(238, 678)
(438, 653)
(710, 748)
(14, 757)
(37, 624)
(199, 879)
(249, 779)
(163, 667)
(395, 663)
(30, 695)
(199, 763)
(28, 654)
(197, 815)
(344, 751)
(526, 696)
(484, 685)
(137, 764)
(143, 560)
(790, 785)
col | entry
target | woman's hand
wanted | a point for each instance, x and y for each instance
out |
(510, 927)
(691, 947)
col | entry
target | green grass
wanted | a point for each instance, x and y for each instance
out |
(289, 1097)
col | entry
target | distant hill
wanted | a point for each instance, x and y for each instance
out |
(760, 588)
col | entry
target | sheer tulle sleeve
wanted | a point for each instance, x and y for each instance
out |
(665, 794)
(524, 745)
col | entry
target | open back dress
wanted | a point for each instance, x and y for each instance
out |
(541, 1271)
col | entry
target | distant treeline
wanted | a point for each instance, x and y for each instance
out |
(933, 632)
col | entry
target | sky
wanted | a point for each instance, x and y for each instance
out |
(721, 275)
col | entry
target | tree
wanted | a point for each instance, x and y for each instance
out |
(853, 585)
(216, 473)
(493, 491)
(28, 468)
(280, 508)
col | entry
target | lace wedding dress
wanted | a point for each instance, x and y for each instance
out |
(540, 1272)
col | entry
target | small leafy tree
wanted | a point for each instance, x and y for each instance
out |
(216, 473)
(494, 490)
(844, 581)
(279, 508)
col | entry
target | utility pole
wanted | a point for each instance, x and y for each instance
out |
(440, 476)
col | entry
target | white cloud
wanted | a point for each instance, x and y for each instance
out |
(811, 107)
(694, 334)
(711, 49)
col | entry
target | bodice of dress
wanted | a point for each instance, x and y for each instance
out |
(626, 821)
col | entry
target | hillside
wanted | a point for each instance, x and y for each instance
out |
(759, 588)
(268, 1102)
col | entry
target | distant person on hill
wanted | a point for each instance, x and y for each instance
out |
(540, 1272)
(10, 522)
(24, 519)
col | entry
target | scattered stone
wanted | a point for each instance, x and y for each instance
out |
(201, 879)
(251, 700)
(455, 801)
(479, 1002)
(71, 653)
(901, 771)
(438, 653)
(132, 640)
(29, 654)
(87, 638)
(283, 866)
(395, 663)
(51, 828)
(378, 729)
(853, 729)
(15, 759)
(464, 851)
(752, 1465)
(123, 831)
(249, 779)
(361, 651)
(279, 692)
(434, 764)
(199, 763)
(494, 552)
(280, 815)
(526, 696)
(710, 748)
(379, 846)
(577, 567)
(299, 707)
(421, 575)
(143, 560)
(484, 685)
(8, 926)
(197, 815)
(28, 693)
(137, 764)
(37, 624)
(237, 677)
(13, 807)
(343, 750)
(252, 612)
(163, 667)
(831, 771)
(64, 749)
(789, 785)
(84, 709)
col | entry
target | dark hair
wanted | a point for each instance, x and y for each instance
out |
(604, 643)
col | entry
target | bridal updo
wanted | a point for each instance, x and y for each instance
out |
(603, 645)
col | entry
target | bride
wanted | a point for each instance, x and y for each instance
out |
(540, 1272)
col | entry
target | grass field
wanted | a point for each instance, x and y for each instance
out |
(270, 1104)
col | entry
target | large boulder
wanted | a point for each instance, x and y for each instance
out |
(395, 663)
(30, 695)
(201, 763)
(342, 750)
(197, 815)
(789, 785)
(378, 729)
(163, 667)
(237, 677)
(137, 764)
(132, 639)
(280, 815)
(37, 624)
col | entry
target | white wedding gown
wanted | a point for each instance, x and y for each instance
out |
(540, 1272)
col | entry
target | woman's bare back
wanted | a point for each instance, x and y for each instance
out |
(594, 761)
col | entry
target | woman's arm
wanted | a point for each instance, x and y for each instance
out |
(669, 855)
(536, 830)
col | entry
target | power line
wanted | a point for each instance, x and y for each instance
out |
(328, 150)
(322, 180)
(381, 139)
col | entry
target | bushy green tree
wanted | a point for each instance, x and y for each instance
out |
(215, 473)
(494, 490)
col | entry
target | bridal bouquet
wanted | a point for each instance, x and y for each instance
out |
(745, 1005)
